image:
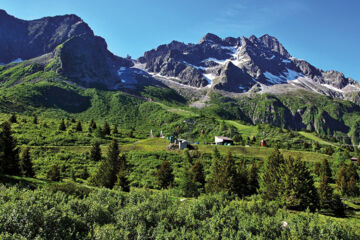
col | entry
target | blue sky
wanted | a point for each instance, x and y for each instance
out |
(324, 32)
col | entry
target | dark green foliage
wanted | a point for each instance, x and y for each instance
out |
(9, 154)
(62, 126)
(213, 183)
(85, 174)
(26, 165)
(54, 173)
(164, 175)
(115, 130)
(346, 180)
(289, 182)
(197, 172)
(253, 183)
(187, 185)
(35, 120)
(325, 193)
(106, 129)
(122, 179)
(108, 169)
(325, 169)
(13, 118)
(95, 152)
(317, 167)
(297, 190)
(270, 175)
(92, 124)
(78, 127)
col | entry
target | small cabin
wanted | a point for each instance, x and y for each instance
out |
(353, 159)
(263, 143)
(183, 144)
(223, 141)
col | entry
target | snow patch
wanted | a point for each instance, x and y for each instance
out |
(18, 60)
(332, 88)
(292, 75)
(209, 77)
(286, 61)
(222, 62)
(272, 78)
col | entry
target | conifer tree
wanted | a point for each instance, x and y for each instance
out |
(106, 129)
(115, 130)
(253, 183)
(241, 180)
(270, 176)
(85, 174)
(325, 193)
(197, 172)
(165, 175)
(122, 179)
(54, 173)
(317, 167)
(9, 154)
(26, 163)
(35, 120)
(297, 190)
(213, 183)
(13, 118)
(325, 170)
(92, 125)
(95, 152)
(62, 126)
(352, 189)
(79, 127)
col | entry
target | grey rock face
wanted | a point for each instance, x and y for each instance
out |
(29, 39)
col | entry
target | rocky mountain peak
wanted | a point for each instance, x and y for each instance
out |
(212, 38)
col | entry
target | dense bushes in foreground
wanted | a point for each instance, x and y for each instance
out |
(110, 214)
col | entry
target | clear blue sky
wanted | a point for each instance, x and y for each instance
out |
(324, 32)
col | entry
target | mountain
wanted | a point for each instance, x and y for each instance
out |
(241, 64)
(58, 67)
(64, 44)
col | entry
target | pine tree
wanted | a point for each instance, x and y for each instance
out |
(270, 176)
(317, 169)
(9, 154)
(197, 172)
(115, 130)
(352, 172)
(78, 127)
(35, 120)
(13, 118)
(165, 175)
(62, 126)
(352, 189)
(325, 170)
(26, 163)
(325, 193)
(214, 184)
(122, 180)
(95, 152)
(253, 183)
(85, 174)
(106, 129)
(241, 180)
(297, 190)
(92, 125)
(54, 173)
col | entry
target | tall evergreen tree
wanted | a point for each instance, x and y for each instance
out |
(297, 190)
(13, 118)
(241, 180)
(197, 172)
(78, 127)
(92, 125)
(26, 163)
(122, 179)
(95, 152)
(352, 189)
(325, 192)
(325, 170)
(270, 176)
(115, 130)
(253, 183)
(164, 175)
(35, 120)
(213, 183)
(54, 173)
(9, 154)
(62, 126)
(106, 129)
